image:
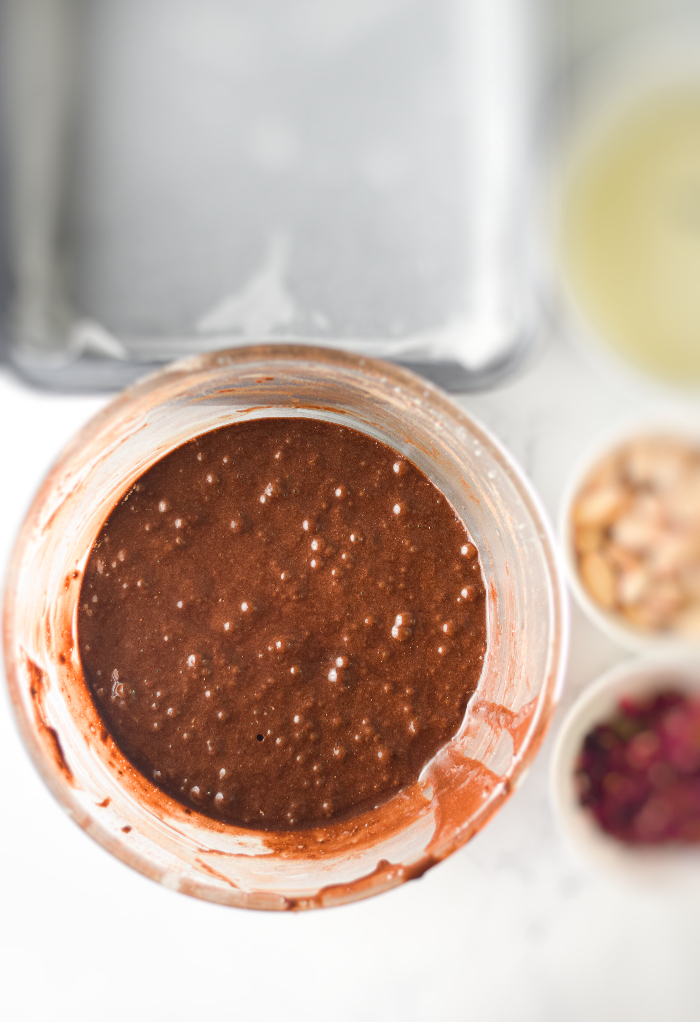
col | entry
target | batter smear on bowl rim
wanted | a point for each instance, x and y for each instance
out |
(282, 622)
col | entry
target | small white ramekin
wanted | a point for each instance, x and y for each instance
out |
(671, 423)
(656, 866)
(613, 80)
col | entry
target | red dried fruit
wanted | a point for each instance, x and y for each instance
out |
(639, 773)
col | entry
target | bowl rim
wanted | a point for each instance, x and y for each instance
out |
(558, 640)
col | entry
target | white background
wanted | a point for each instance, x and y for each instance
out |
(512, 927)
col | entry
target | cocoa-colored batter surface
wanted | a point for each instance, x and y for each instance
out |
(282, 622)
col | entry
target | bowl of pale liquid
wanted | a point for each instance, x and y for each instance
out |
(629, 228)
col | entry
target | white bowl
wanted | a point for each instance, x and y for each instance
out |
(655, 865)
(685, 426)
(612, 81)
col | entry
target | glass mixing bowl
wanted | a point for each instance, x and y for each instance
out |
(458, 790)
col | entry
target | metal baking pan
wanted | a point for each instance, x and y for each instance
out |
(185, 175)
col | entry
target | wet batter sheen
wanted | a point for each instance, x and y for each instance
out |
(281, 622)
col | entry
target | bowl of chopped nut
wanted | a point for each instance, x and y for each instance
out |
(630, 530)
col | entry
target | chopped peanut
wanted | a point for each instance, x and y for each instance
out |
(599, 579)
(588, 540)
(636, 534)
(600, 506)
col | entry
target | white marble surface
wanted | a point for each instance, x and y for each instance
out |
(511, 927)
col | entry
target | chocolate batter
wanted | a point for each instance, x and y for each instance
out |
(281, 623)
